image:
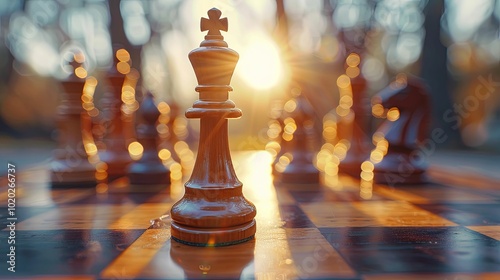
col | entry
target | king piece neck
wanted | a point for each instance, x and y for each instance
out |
(214, 41)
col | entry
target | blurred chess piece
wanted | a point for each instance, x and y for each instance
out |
(352, 122)
(114, 153)
(168, 138)
(294, 163)
(408, 110)
(149, 169)
(213, 210)
(70, 165)
(277, 145)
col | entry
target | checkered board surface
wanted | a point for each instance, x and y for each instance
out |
(441, 230)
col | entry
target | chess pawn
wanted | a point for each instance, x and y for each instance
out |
(70, 165)
(115, 153)
(149, 169)
(213, 210)
(402, 134)
(295, 163)
(353, 119)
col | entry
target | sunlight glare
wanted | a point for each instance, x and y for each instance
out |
(260, 64)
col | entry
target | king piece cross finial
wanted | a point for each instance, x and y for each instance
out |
(214, 24)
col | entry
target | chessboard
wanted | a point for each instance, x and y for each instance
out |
(446, 229)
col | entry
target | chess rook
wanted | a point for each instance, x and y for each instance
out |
(115, 153)
(407, 126)
(149, 169)
(70, 165)
(213, 210)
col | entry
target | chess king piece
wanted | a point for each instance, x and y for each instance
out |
(295, 162)
(213, 211)
(406, 128)
(115, 153)
(149, 169)
(353, 118)
(71, 166)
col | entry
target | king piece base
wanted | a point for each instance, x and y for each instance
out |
(213, 237)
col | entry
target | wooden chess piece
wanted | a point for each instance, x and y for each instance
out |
(213, 211)
(70, 165)
(353, 118)
(295, 163)
(406, 128)
(149, 169)
(115, 153)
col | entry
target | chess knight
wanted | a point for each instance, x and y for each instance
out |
(407, 127)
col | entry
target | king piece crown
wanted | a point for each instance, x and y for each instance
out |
(213, 62)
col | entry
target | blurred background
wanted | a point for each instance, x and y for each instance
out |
(453, 45)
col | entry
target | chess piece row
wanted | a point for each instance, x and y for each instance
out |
(396, 158)
(71, 165)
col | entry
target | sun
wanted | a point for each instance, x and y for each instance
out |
(260, 64)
